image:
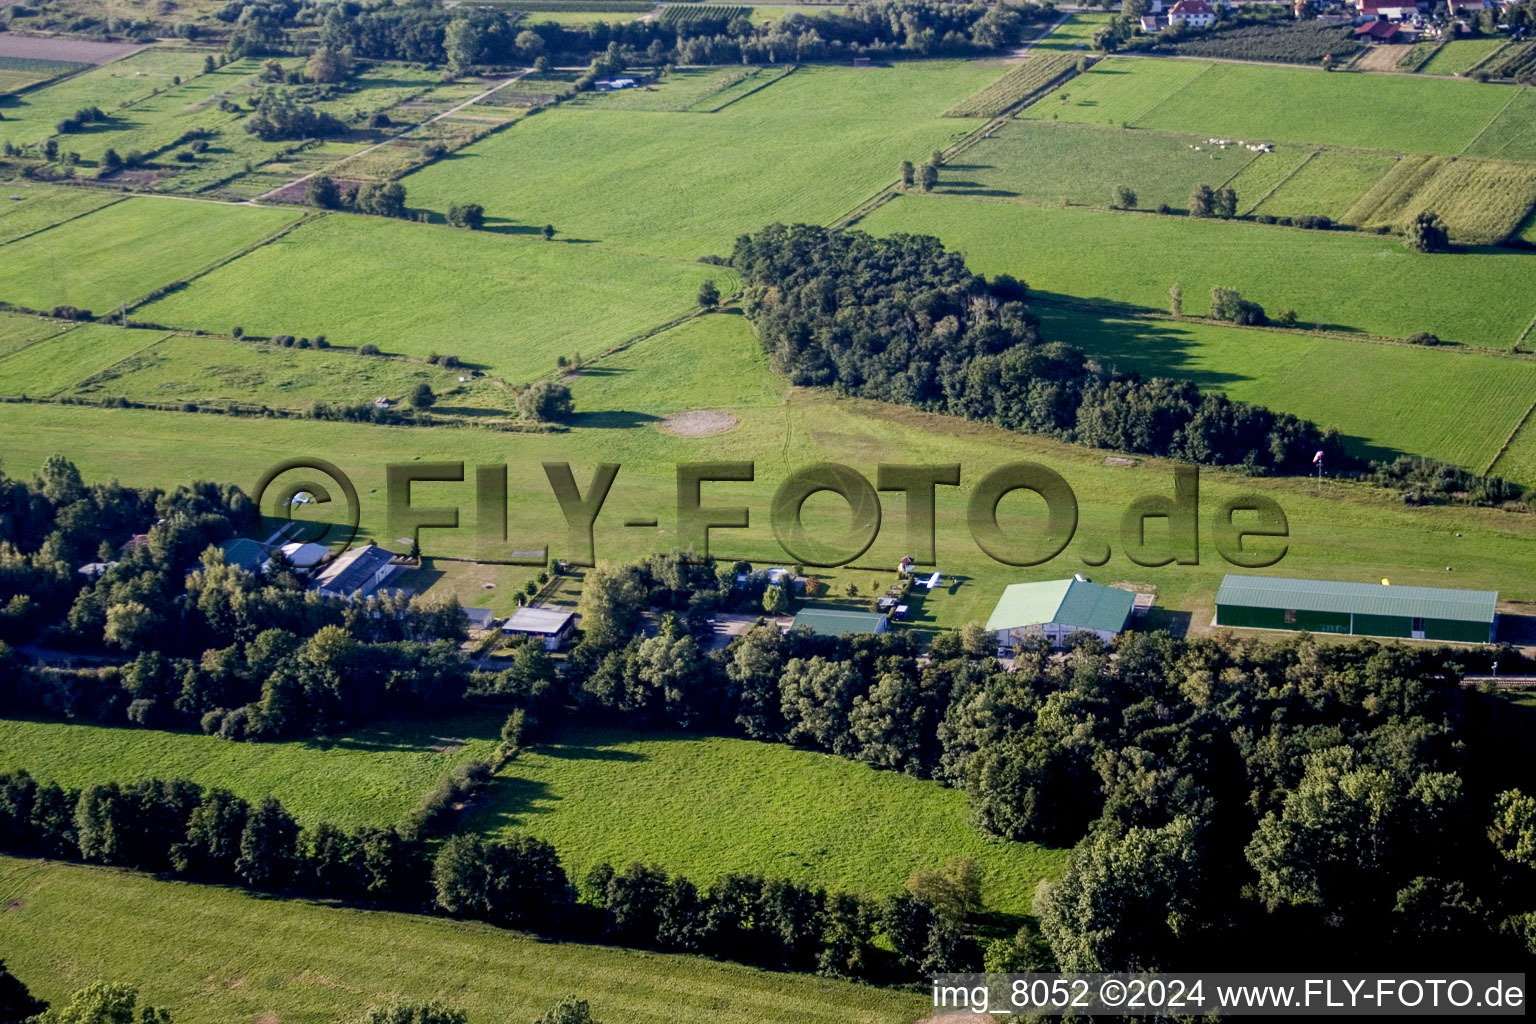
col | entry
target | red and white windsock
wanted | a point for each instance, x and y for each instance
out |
(1317, 460)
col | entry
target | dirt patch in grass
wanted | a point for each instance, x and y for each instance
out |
(78, 51)
(698, 423)
(294, 191)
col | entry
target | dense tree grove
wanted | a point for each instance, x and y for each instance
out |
(279, 115)
(426, 33)
(902, 320)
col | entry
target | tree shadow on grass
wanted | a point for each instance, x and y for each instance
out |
(508, 801)
(615, 420)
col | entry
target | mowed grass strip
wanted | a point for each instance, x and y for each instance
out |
(810, 147)
(364, 777)
(214, 954)
(1279, 104)
(513, 304)
(49, 367)
(1045, 161)
(27, 207)
(1107, 257)
(1328, 184)
(1266, 174)
(18, 330)
(704, 805)
(1117, 91)
(1457, 406)
(120, 253)
(1460, 55)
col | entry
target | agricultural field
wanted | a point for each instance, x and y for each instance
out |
(1386, 399)
(367, 777)
(1048, 162)
(1512, 135)
(1518, 61)
(695, 90)
(697, 16)
(1074, 34)
(1275, 104)
(1328, 184)
(501, 298)
(1256, 181)
(703, 806)
(32, 117)
(120, 253)
(217, 371)
(1481, 201)
(807, 148)
(1025, 81)
(17, 331)
(1122, 258)
(30, 207)
(49, 367)
(208, 953)
(1458, 56)
(17, 73)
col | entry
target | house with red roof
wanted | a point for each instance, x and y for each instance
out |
(1378, 32)
(1194, 13)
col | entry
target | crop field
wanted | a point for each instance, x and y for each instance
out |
(1328, 184)
(1116, 91)
(213, 954)
(32, 207)
(125, 251)
(49, 367)
(217, 371)
(1045, 161)
(1256, 181)
(1459, 56)
(695, 90)
(1481, 201)
(808, 148)
(1347, 532)
(120, 253)
(695, 15)
(23, 72)
(31, 117)
(1518, 461)
(510, 303)
(1275, 104)
(705, 805)
(1387, 399)
(1512, 135)
(1516, 62)
(365, 777)
(1038, 71)
(1107, 257)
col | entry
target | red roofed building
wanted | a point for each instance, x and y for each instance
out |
(1194, 13)
(1377, 32)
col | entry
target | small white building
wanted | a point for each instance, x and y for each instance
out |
(551, 625)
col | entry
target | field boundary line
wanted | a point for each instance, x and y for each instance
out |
(1513, 95)
(1294, 171)
(891, 191)
(36, 342)
(1131, 121)
(1508, 441)
(66, 220)
(138, 351)
(1525, 334)
(166, 289)
(775, 80)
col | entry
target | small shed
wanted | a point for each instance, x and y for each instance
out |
(479, 619)
(1055, 609)
(550, 625)
(1359, 609)
(839, 622)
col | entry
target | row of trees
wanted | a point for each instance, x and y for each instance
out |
(902, 320)
(214, 836)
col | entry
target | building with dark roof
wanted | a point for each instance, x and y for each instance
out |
(244, 552)
(360, 572)
(1360, 609)
(1055, 609)
(554, 626)
(840, 622)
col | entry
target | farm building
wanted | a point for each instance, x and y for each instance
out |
(1363, 609)
(479, 618)
(1055, 609)
(361, 571)
(837, 622)
(550, 625)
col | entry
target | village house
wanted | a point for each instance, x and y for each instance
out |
(1192, 13)
(360, 572)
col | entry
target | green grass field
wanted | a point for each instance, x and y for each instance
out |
(808, 148)
(364, 777)
(213, 954)
(707, 805)
(697, 90)
(32, 116)
(1265, 175)
(51, 366)
(1351, 532)
(1459, 55)
(510, 303)
(1047, 162)
(1328, 184)
(1276, 104)
(217, 371)
(1512, 135)
(17, 331)
(122, 252)
(1386, 398)
(1076, 33)
(1471, 298)
(41, 206)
